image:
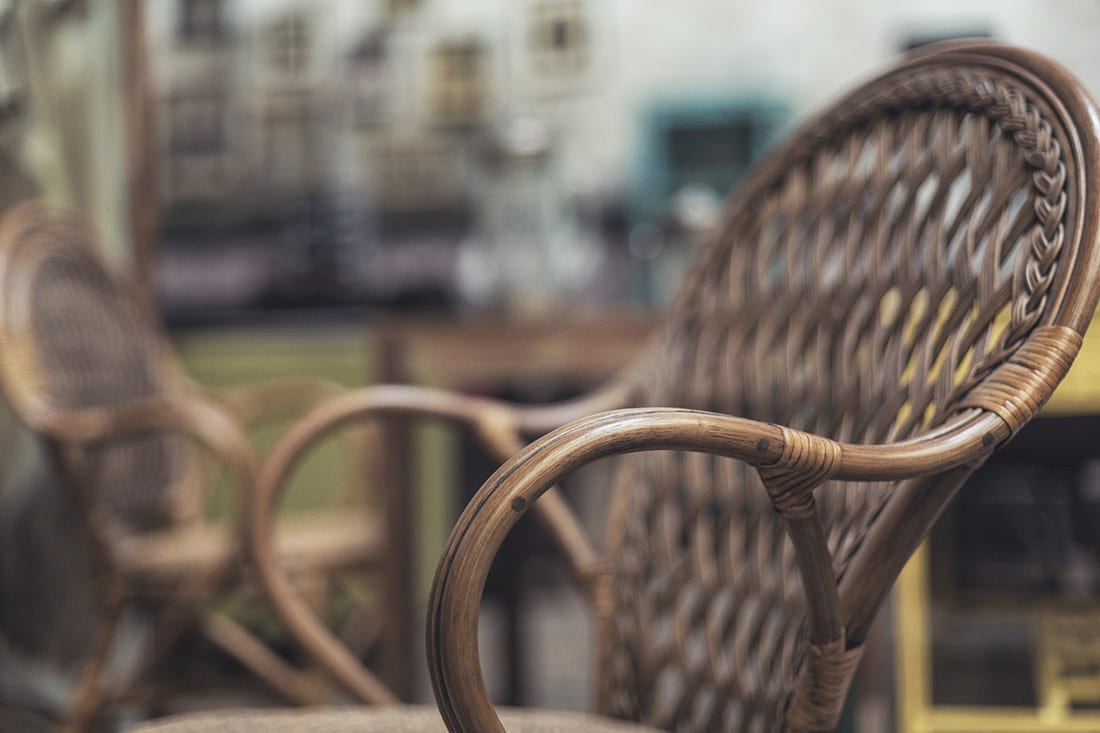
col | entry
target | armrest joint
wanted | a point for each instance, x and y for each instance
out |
(805, 463)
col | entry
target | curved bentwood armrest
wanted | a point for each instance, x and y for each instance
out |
(499, 425)
(791, 462)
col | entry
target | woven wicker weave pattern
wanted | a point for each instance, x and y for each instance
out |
(903, 252)
(892, 294)
(88, 347)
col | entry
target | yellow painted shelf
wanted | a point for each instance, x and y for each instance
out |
(1079, 393)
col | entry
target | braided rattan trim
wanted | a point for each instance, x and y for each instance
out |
(826, 674)
(807, 461)
(1009, 106)
(1024, 383)
(973, 90)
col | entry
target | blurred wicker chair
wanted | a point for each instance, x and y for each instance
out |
(890, 296)
(122, 526)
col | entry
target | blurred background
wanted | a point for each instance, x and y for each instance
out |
(499, 196)
(453, 155)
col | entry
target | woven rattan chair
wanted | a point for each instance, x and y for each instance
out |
(889, 297)
(122, 531)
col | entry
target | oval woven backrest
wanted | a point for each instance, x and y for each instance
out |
(866, 278)
(73, 338)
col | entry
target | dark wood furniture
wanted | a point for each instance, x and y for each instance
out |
(890, 296)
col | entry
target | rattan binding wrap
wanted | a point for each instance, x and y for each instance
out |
(828, 671)
(807, 460)
(1040, 364)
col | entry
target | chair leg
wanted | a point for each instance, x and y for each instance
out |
(290, 683)
(172, 622)
(88, 698)
(362, 631)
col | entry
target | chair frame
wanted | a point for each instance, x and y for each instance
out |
(33, 234)
(791, 463)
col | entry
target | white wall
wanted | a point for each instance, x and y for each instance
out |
(804, 52)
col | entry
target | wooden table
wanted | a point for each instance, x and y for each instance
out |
(496, 356)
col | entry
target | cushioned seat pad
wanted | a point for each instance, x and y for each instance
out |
(403, 719)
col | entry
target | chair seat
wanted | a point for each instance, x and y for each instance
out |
(404, 719)
(330, 542)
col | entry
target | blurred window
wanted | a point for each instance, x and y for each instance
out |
(561, 37)
(711, 153)
(197, 142)
(197, 122)
(419, 174)
(200, 21)
(288, 45)
(369, 75)
(461, 94)
(289, 145)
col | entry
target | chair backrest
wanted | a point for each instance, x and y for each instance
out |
(926, 246)
(72, 337)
